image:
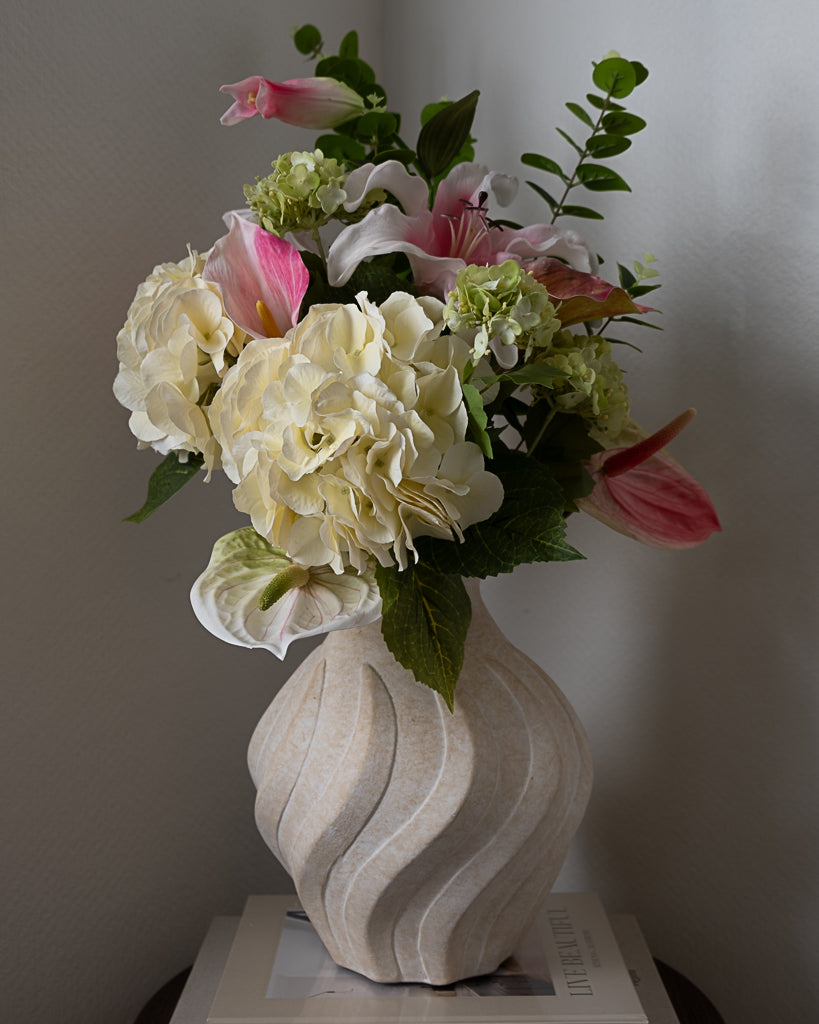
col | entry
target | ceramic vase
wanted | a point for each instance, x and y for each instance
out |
(421, 842)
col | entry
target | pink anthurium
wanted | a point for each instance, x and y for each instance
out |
(639, 490)
(313, 103)
(457, 230)
(262, 278)
(579, 296)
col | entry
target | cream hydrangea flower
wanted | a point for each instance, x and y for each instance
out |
(346, 439)
(172, 354)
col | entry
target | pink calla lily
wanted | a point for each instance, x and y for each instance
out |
(261, 276)
(640, 491)
(580, 296)
(455, 232)
(314, 103)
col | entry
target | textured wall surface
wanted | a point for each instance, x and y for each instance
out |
(127, 807)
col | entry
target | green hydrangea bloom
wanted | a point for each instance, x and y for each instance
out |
(304, 191)
(502, 303)
(594, 386)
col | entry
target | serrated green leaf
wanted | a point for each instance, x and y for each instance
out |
(603, 146)
(615, 77)
(441, 138)
(168, 477)
(570, 140)
(580, 211)
(543, 163)
(597, 178)
(618, 122)
(579, 112)
(307, 39)
(425, 619)
(349, 45)
(528, 527)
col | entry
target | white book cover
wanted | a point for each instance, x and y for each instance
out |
(568, 970)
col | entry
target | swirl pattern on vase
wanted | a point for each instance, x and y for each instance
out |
(420, 842)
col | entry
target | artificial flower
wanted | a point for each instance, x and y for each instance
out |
(227, 597)
(640, 491)
(303, 192)
(346, 439)
(261, 277)
(172, 354)
(305, 102)
(457, 230)
(580, 296)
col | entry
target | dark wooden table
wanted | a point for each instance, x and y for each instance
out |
(690, 1005)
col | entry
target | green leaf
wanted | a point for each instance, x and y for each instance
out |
(543, 163)
(618, 122)
(563, 446)
(570, 140)
(425, 619)
(597, 178)
(603, 146)
(168, 477)
(579, 112)
(404, 156)
(308, 40)
(615, 77)
(528, 527)
(442, 137)
(580, 211)
(349, 45)
(640, 71)
(627, 279)
(530, 373)
(543, 194)
(341, 148)
(478, 419)
(377, 124)
(350, 70)
(601, 103)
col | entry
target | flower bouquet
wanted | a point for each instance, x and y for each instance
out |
(405, 389)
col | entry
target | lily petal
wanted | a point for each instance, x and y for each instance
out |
(226, 596)
(253, 267)
(411, 191)
(305, 102)
(640, 491)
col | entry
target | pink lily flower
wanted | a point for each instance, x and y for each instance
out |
(262, 278)
(313, 103)
(455, 232)
(640, 491)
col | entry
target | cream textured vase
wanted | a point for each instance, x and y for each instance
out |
(421, 843)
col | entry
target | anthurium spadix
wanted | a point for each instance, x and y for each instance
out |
(261, 276)
(252, 595)
(639, 490)
(314, 103)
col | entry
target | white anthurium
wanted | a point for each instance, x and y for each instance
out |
(306, 601)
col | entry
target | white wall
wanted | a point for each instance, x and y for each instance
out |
(694, 672)
(127, 810)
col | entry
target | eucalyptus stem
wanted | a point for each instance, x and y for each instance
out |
(572, 183)
(540, 434)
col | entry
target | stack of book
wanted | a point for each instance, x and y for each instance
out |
(576, 966)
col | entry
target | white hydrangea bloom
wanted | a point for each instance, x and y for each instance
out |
(346, 439)
(171, 353)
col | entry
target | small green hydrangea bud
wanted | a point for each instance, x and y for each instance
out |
(504, 304)
(594, 386)
(303, 192)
